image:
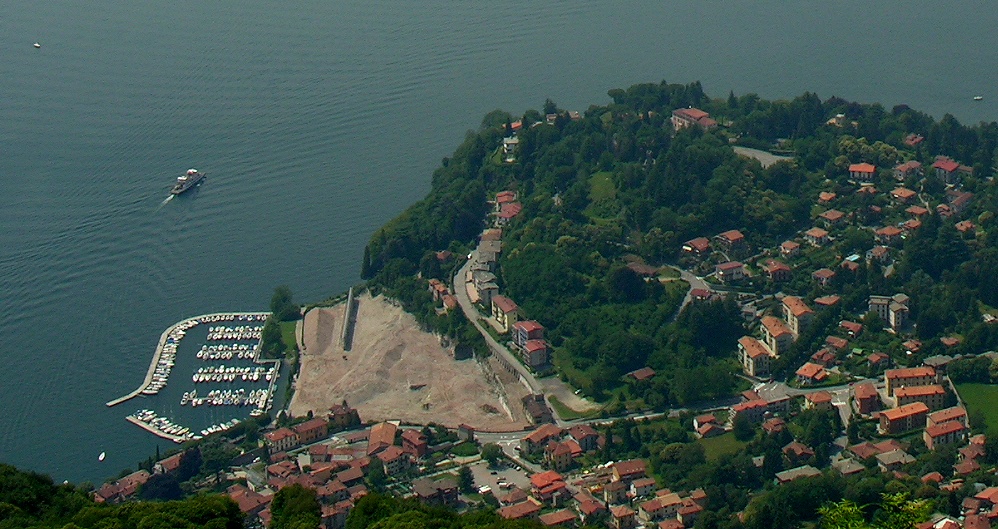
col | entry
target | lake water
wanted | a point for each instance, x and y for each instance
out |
(316, 122)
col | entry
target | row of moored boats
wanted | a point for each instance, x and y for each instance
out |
(164, 426)
(228, 397)
(240, 332)
(230, 374)
(239, 351)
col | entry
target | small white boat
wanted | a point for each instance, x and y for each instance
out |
(978, 98)
(101, 456)
(37, 45)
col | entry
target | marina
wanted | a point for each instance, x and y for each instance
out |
(234, 339)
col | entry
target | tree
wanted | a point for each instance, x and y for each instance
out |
(161, 487)
(271, 340)
(365, 264)
(295, 506)
(465, 480)
(743, 428)
(492, 453)
(281, 305)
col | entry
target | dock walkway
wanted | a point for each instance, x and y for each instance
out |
(159, 352)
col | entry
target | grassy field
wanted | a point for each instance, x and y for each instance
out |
(288, 335)
(716, 447)
(601, 187)
(981, 398)
(566, 413)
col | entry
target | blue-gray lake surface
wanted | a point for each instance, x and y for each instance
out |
(316, 122)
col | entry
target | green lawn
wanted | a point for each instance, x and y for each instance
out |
(716, 447)
(981, 398)
(566, 413)
(288, 334)
(601, 187)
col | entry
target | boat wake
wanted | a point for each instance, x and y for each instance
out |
(163, 203)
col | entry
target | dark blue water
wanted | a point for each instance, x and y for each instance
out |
(316, 122)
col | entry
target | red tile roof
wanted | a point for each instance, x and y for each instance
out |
(753, 347)
(504, 304)
(732, 236)
(775, 326)
(812, 371)
(862, 168)
(905, 411)
(796, 306)
(946, 165)
(911, 372)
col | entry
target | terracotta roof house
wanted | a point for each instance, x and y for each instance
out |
(824, 357)
(819, 400)
(826, 197)
(730, 271)
(878, 253)
(508, 211)
(836, 342)
(932, 395)
(797, 453)
(851, 327)
(810, 373)
(823, 276)
(965, 226)
(697, 246)
(519, 511)
(585, 435)
(540, 437)
(797, 313)
(628, 471)
(776, 335)
(913, 139)
(790, 248)
(903, 195)
(909, 376)
(622, 517)
(910, 168)
(774, 425)
(563, 517)
(645, 373)
(904, 418)
(755, 357)
(691, 117)
(866, 398)
(862, 171)
(312, 430)
(731, 238)
(949, 432)
(956, 413)
(504, 311)
(888, 234)
(827, 301)
(381, 437)
(282, 439)
(776, 270)
(816, 236)
(832, 216)
(946, 169)
(916, 211)
(526, 330)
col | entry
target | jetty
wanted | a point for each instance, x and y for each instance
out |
(165, 337)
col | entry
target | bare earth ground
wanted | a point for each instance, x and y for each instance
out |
(389, 355)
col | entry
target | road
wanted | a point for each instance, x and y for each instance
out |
(470, 312)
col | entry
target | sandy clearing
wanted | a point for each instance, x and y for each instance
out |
(389, 356)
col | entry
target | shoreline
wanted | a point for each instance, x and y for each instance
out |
(159, 353)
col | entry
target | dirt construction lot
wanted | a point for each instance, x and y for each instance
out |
(395, 371)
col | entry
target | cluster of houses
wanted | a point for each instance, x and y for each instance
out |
(526, 336)
(621, 495)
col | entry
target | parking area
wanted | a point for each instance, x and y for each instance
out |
(505, 474)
